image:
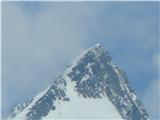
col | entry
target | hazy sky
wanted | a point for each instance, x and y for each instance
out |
(39, 39)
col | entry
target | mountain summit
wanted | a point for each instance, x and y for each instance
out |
(92, 87)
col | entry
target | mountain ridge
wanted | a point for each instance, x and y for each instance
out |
(93, 75)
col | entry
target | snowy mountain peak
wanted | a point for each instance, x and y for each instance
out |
(94, 52)
(91, 80)
(96, 46)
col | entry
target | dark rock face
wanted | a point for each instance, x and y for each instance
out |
(103, 78)
(89, 73)
(46, 103)
(95, 76)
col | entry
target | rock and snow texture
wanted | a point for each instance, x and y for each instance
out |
(92, 87)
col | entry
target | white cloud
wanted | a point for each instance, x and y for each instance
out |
(37, 48)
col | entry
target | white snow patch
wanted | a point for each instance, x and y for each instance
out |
(106, 76)
(22, 114)
(115, 68)
(78, 58)
(83, 108)
(90, 69)
(134, 97)
(85, 77)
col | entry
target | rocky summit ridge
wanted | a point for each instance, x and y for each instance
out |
(92, 76)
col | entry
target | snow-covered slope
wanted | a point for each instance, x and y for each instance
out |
(92, 87)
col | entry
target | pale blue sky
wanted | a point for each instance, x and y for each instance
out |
(39, 39)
